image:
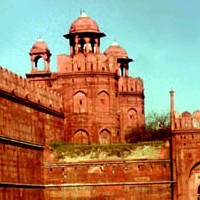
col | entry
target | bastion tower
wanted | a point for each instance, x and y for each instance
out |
(101, 102)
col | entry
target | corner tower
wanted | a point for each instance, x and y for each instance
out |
(101, 102)
(115, 50)
(88, 80)
(130, 94)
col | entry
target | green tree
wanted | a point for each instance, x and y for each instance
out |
(158, 126)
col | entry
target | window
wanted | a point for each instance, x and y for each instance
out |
(80, 102)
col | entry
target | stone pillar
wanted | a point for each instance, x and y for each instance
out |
(96, 46)
(71, 50)
(76, 44)
(32, 65)
(126, 72)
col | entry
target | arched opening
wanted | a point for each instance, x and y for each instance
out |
(132, 116)
(194, 183)
(122, 70)
(105, 137)
(39, 63)
(81, 137)
(80, 102)
(81, 44)
(103, 102)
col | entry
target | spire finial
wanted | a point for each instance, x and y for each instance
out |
(40, 39)
(83, 13)
(115, 43)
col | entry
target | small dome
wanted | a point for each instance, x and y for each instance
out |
(196, 113)
(40, 45)
(116, 50)
(186, 114)
(84, 24)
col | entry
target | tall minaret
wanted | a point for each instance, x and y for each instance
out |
(172, 112)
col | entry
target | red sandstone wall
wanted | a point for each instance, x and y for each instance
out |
(131, 104)
(137, 180)
(13, 193)
(186, 166)
(90, 106)
(26, 125)
(111, 192)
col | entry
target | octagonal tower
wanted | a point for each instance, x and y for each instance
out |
(101, 102)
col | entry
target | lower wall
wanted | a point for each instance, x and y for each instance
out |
(125, 179)
(21, 172)
(20, 193)
(110, 192)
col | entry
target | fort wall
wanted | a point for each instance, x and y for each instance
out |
(125, 179)
(187, 120)
(28, 122)
(33, 92)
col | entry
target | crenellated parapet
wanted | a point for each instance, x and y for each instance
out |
(129, 84)
(20, 87)
(97, 63)
(187, 120)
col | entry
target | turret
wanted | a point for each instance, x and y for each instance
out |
(38, 51)
(120, 54)
(84, 35)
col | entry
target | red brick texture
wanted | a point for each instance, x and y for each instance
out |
(141, 179)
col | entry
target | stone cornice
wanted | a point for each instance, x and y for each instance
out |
(21, 143)
(20, 185)
(109, 184)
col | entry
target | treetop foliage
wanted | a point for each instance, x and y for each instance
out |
(157, 127)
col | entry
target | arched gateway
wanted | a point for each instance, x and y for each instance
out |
(194, 183)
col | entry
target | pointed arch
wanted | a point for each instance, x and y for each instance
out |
(81, 137)
(105, 136)
(194, 182)
(80, 102)
(132, 115)
(39, 62)
(103, 101)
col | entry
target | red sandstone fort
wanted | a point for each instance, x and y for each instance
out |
(91, 99)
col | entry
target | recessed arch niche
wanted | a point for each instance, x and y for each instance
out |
(103, 101)
(81, 137)
(80, 102)
(105, 136)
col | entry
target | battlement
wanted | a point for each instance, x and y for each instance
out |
(186, 120)
(129, 84)
(16, 85)
(86, 63)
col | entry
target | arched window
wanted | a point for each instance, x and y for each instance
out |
(103, 102)
(105, 137)
(81, 137)
(39, 63)
(132, 115)
(80, 102)
(194, 182)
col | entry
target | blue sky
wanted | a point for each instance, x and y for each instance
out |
(162, 36)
